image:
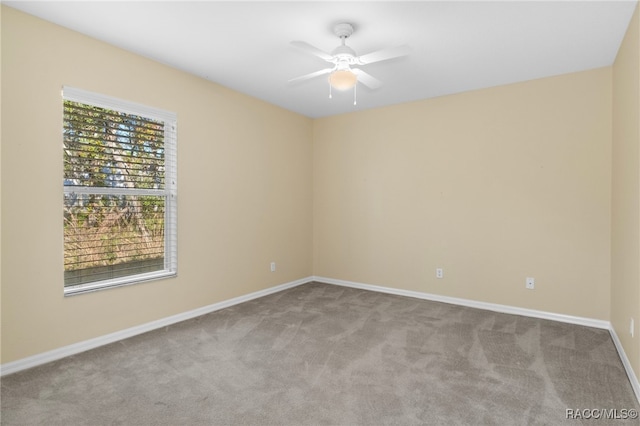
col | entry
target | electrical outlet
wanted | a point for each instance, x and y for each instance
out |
(631, 327)
(273, 266)
(439, 273)
(530, 283)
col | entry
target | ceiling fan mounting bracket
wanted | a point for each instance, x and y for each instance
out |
(343, 30)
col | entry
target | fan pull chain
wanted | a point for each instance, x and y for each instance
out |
(354, 94)
(330, 90)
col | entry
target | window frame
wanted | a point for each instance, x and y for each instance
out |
(169, 192)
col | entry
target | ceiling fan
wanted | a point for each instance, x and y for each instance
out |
(342, 75)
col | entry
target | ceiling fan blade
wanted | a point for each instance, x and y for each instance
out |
(366, 79)
(313, 50)
(384, 54)
(310, 76)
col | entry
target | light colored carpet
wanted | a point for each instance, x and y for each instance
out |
(323, 354)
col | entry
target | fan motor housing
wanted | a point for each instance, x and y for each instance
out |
(344, 55)
(343, 50)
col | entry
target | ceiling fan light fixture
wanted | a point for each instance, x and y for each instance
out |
(342, 79)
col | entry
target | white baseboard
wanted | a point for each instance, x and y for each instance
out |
(76, 348)
(588, 322)
(53, 355)
(635, 384)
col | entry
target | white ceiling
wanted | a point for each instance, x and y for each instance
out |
(455, 46)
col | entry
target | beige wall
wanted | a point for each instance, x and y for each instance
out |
(492, 185)
(244, 189)
(625, 259)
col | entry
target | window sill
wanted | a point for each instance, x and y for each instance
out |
(117, 282)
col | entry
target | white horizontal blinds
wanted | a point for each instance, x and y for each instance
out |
(109, 236)
(119, 191)
(105, 148)
(108, 102)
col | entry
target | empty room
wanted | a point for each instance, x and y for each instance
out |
(346, 213)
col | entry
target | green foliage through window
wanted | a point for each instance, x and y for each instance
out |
(114, 197)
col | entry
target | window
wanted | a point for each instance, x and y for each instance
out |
(119, 192)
